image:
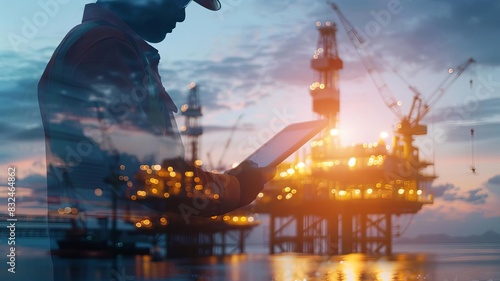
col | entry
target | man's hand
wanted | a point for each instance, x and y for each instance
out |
(251, 179)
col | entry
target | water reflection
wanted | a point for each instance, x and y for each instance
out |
(353, 267)
(282, 267)
(438, 263)
(434, 262)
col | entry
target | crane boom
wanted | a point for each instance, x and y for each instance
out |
(357, 41)
(409, 125)
(442, 88)
(420, 107)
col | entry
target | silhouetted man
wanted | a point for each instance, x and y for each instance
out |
(109, 124)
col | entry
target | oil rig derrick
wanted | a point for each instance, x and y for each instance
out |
(325, 91)
(326, 62)
(192, 127)
(340, 200)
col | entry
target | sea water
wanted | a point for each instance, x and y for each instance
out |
(440, 262)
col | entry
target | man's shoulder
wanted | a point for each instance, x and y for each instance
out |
(90, 33)
(89, 42)
(91, 38)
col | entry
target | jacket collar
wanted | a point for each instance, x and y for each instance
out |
(96, 11)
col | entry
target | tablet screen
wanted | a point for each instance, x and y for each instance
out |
(284, 143)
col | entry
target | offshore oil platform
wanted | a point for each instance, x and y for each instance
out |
(334, 200)
(340, 200)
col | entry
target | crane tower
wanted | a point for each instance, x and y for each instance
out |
(192, 127)
(326, 62)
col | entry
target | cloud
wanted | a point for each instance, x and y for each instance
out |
(436, 33)
(36, 182)
(438, 221)
(494, 180)
(493, 184)
(229, 84)
(468, 110)
(449, 192)
(453, 125)
(475, 196)
(19, 102)
(440, 190)
(31, 134)
(482, 132)
(18, 97)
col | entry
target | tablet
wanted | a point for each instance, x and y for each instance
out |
(286, 142)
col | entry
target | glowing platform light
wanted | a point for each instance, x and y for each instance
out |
(352, 162)
(98, 192)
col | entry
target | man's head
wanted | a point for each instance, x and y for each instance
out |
(153, 19)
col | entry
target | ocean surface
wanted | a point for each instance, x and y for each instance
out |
(450, 262)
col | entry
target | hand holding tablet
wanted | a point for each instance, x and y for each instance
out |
(260, 166)
(285, 142)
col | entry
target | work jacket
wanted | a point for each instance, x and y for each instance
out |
(111, 134)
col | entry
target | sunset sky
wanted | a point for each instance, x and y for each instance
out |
(252, 58)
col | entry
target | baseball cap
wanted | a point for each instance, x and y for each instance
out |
(213, 5)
